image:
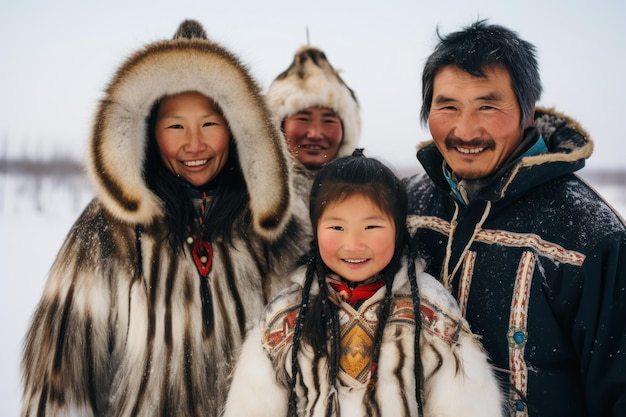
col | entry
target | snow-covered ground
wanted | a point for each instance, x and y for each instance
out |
(34, 220)
(33, 225)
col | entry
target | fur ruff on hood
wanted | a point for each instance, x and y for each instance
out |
(312, 81)
(188, 62)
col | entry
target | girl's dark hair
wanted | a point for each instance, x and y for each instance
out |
(317, 322)
(478, 47)
(228, 202)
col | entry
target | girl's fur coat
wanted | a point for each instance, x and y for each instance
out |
(458, 380)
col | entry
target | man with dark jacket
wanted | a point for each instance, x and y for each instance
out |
(535, 257)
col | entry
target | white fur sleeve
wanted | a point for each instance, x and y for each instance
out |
(254, 391)
(465, 384)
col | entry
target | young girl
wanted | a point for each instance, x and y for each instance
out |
(342, 339)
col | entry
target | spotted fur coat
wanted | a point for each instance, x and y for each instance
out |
(123, 328)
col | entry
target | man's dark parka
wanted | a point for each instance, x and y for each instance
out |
(537, 260)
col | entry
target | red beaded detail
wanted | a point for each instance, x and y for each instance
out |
(200, 250)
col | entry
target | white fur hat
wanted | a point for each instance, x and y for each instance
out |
(311, 81)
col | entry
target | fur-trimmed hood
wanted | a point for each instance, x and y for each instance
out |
(188, 62)
(312, 81)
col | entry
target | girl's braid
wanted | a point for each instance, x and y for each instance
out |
(292, 410)
(415, 295)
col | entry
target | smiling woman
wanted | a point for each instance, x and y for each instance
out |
(314, 135)
(176, 254)
(192, 136)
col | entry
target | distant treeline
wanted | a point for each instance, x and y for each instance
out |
(37, 181)
(60, 166)
(54, 166)
(43, 184)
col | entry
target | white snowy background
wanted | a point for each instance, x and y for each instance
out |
(56, 58)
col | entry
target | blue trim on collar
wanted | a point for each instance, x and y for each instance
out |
(538, 148)
(453, 186)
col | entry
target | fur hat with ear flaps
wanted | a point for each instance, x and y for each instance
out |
(311, 81)
(188, 62)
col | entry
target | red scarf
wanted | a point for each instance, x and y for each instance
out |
(359, 293)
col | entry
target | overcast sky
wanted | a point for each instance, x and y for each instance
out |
(56, 59)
